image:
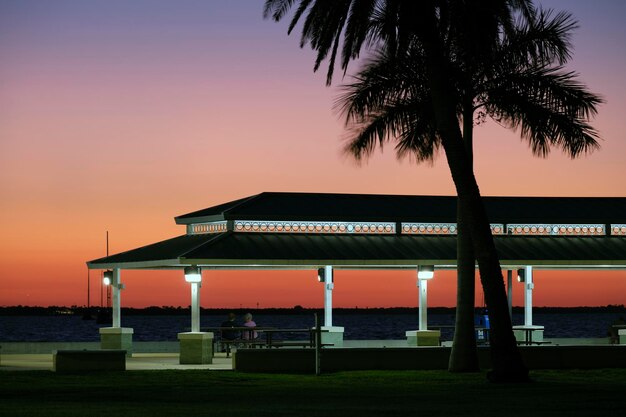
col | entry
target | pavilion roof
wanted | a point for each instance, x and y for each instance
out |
(371, 207)
(218, 242)
(232, 249)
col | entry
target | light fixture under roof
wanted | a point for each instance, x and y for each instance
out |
(107, 277)
(193, 274)
(425, 271)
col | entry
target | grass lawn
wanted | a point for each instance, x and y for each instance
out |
(419, 393)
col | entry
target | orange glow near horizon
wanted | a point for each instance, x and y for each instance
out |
(286, 289)
(120, 118)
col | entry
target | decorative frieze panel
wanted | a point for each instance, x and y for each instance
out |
(204, 228)
(618, 229)
(441, 229)
(497, 229)
(315, 227)
(557, 229)
(543, 229)
(429, 228)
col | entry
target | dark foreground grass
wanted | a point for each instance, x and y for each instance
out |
(230, 394)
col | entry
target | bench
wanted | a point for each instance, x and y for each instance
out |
(616, 333)
(247, 343)
(532, 342)
(289, 343)
(89, 360)
(265, 339)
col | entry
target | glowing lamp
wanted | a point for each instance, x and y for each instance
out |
(192, 274)
(107, 277)
(321, 275)
(425, 271)
(521, 275)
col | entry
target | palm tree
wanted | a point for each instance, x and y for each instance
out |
(389, 101)
(393, 23)
(532, 54)
(434, 28)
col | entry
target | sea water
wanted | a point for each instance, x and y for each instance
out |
(358, 326)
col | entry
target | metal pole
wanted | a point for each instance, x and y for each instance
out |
(102, 275)
(318, 346)
(88, 288)
(509, 291)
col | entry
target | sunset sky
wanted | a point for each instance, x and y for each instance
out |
(119, 115)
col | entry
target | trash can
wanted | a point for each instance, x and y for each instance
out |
(481, 322)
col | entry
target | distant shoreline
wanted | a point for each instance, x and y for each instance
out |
(296, 310)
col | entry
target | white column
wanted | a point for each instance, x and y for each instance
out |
(528, 296)
(115, 289)
(195, 306)
(509, 291)
(328, 296)
(423, 303)
(196, 347)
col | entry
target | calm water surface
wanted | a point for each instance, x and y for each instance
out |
(357, 326)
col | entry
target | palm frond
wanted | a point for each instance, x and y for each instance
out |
(322, 29)
(383, 29)
(415, 135)
(276, 9)
(357, 29)
(304, 4)
(550, 107)
(389, 102)
(383, 79)
(544, 40)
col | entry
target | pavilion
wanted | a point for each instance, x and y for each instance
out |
(325, 232)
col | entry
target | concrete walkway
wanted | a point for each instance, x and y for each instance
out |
(138, 362)
(32, 360)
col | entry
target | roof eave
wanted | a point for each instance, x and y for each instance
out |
(201, 219)
(160, 264)
(314, 263)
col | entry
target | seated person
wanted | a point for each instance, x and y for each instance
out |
(231, 322)
(249, 323)
(613, 332)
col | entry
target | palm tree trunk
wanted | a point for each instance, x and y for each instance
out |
(507, 364)
(506, 360)
(464, 356)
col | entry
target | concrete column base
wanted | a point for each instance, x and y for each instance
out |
(536, 332)
(120, 338)
(196, 348)
(332, 335)
(622, 336)
(423, 337)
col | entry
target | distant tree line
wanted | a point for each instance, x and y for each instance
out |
(20, 310)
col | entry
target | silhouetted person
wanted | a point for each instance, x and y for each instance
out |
(614, 331)
(249, 323)
(231, 322)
